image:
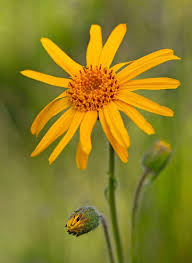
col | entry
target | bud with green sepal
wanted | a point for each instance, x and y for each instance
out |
(157, 157)
(82, 220)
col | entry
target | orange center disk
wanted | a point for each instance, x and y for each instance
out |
(93, 88)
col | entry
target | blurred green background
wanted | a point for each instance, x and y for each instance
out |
(36, 199)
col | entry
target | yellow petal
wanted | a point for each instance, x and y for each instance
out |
(144, 103)
(81, 157)
(112, 44)
(151, 84)
(86, 127)
(56, 130)
(95, 46)
(136, 117)
(55, 108)
(35, 128)
(116, 67)
(145, 63)
(120, 150)
(68, 136)
(60, 58)
(58, 82)
(111, 111)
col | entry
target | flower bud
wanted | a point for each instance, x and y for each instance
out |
(82, 221)
(157, 157)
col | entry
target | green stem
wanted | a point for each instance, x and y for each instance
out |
(107, 238)
(136, 203)
(112, 204)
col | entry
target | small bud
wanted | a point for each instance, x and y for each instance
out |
(157, 157)
(82, 221)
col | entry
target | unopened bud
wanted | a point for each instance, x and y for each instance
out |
(157, 157)
(82, 221)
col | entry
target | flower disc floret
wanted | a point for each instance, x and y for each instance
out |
(93, 88)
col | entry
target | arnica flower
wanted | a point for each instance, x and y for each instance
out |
(83, 220)
(99, 91)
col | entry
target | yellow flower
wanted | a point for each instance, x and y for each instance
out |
(99, 91)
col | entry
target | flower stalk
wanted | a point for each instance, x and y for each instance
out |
(154, 161)
(112, 204)
(136, 203)
(107, 238)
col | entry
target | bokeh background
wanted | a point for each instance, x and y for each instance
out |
(36, 199)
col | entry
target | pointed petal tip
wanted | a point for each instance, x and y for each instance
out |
(173, 81)
(123, 25)
(24, 72)
(125, 160)
(95, 25)
(43, 39)
(33, 154)
(170, 113)
(33, 131)
(151, 132)
(177, 58)
(82, 168)
(177, 83)
(51, 160)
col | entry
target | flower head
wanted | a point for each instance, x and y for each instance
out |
(82, 220)
(99, 91)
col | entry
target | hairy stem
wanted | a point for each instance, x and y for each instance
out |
(107, 238)
(112, 204)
